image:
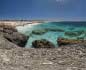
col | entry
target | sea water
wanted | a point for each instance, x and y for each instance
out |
(52, 31)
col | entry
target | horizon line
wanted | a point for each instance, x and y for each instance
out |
(38, 20)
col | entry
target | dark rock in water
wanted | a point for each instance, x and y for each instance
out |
(55, 29)
(74, 33)
(81, 38)
(70, 34)
(39, 32)
(63, 41)
(42, 44)
(71, 28)
(13, 36)
(43, 31)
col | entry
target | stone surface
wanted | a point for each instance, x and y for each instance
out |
(42, 44)
(12, 35)
(64, 41)
(17, 38)
(63, 58)
(5, 44)
(69, 57)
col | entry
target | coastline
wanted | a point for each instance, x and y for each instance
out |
(62, 58)
(13, 57)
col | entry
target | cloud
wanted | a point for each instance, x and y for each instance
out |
(60, 0)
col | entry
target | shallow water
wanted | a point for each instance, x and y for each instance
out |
(51, 31)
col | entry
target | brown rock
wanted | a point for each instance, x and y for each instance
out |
(63, 41)
(42, 44)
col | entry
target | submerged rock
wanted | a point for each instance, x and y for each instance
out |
(71, 28)
(63, 41)
(74, 33)
(42, 44)
(43, 31)
(55, 29)
(81, 38)
(39, 32)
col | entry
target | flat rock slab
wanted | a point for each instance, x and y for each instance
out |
(62, 58)
(5, 44)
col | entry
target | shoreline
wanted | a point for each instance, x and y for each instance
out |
(68, 57)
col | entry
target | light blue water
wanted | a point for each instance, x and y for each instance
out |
(54, 30)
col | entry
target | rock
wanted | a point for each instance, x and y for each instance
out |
(5, 44)
(81, 38)
(63, 41)
(43, 31)
(17, 38)
(12, 35)
(1, 29)
(9, 29)
(71, 28)
(74, 33)
(43, 59)
(39, 32)
(55, 29)
(42, 44)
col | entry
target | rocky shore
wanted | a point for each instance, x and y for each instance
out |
(63, 58)
(12, 35)
(13, 57)
(65, 41)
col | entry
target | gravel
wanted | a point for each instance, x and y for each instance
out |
(62, 58)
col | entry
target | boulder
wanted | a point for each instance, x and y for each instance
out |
(5, 44)
(12, 35)
(17, 38)
(42, 44)
(64, 41)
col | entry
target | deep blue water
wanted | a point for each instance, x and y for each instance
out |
(51, 31)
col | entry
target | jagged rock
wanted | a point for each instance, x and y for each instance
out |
(42, 44)
(63, 41)
(13, 36)
(17, 38)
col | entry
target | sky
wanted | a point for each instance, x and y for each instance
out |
(43, 9)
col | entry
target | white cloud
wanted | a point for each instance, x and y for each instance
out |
(62, 1)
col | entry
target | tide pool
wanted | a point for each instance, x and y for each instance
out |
(51, 31)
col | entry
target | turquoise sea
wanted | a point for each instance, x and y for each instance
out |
(51, 31)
